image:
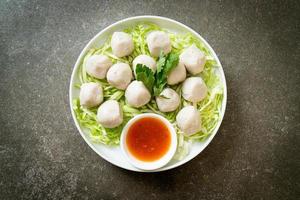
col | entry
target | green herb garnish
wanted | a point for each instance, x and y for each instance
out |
(146, 75)
(164, 66)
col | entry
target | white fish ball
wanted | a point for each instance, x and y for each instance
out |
(121, 44)
(110, 114)
(119, 75)
(168, 100)
(91, 94)
(158, 41)
(177, 75)
(193, 59)
(194, 89)
(137, 94)
(97, 66)
(188, 120)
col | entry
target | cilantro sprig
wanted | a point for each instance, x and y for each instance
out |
(156, 82)
(164, 66)
(146, 75)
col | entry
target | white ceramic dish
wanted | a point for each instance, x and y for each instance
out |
(114, 154)
(150, 166)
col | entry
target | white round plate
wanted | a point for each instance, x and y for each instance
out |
(114, 155)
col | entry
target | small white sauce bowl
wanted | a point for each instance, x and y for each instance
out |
(149, 165)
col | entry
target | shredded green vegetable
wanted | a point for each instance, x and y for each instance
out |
(210, 107)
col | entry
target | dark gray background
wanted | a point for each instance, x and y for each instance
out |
(255, 155)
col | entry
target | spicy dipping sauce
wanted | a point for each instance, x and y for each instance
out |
(148, 139)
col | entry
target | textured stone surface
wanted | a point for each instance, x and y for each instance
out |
(255, 155)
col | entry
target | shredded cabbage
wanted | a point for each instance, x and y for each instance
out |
(210, 107)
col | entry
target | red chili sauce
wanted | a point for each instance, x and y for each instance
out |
(148, 139)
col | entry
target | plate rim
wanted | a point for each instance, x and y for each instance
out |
(78, 61)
